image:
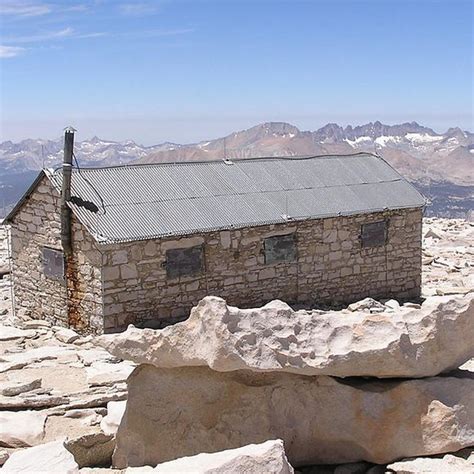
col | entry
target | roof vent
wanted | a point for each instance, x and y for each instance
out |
(228, 162)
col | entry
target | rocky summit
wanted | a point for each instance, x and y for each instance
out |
(378, 386)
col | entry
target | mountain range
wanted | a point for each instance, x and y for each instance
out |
(440, 164)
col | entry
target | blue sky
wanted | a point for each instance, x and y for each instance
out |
(189, 70)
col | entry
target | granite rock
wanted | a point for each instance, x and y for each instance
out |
(179, 412)
(268, 457)
(405, 342)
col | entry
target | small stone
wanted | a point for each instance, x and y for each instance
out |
(434, 235)
(448, 463)
(46, 458)
(88, 416)
(83, 340)
(3, 456)
(111, 422)
(21, 428)
(9, 333)
(392, 304)
(93, 449)
(453, 290)
(32, 401)
(36, 324)
(20, 387)
(412, 305)
(365, 305)
(268, 457)
(104, 373)
(66, 335)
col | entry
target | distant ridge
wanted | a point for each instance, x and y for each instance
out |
(440, 164)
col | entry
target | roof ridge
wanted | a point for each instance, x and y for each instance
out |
(222, 160)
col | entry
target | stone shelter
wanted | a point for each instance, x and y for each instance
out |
(148, 241)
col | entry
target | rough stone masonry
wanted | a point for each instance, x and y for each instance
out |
(112, 285)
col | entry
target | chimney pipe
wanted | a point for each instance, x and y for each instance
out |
(66, 190)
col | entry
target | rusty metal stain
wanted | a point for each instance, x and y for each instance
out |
(77, 318)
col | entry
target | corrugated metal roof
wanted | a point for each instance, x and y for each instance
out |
(138, 202)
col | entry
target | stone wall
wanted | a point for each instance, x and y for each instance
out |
(331, 267)
(37, 225)
(111, 286)
(4, 239)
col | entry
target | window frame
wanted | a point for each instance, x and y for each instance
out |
(50, 258)
(270, 257)
(369, 238)
(173, 269)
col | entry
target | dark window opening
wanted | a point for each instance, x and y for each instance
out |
(184, 262)
(280, 248)
(374, 234)
(53, 263)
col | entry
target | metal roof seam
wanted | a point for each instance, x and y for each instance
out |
(249, 224)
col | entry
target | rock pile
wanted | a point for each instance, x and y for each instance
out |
(55, 385)
(448, 256)
(228, 377)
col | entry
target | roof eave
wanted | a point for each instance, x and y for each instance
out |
(104, 240)
(9, 217)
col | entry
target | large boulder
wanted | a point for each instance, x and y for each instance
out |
(405, 342)
(268, 457)
(179, 412)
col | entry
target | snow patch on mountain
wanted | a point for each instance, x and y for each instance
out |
(422, 138)
(358, 141)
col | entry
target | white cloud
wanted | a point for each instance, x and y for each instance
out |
(49, 35)
(10, 51)
(53, 35)
(23, 8)
(90, 35)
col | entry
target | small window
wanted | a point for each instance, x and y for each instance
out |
(53, 263)
(280, 248)
(374, 234)
(184, 262)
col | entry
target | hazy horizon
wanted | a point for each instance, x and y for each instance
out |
(155, 71)
(81, 136)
